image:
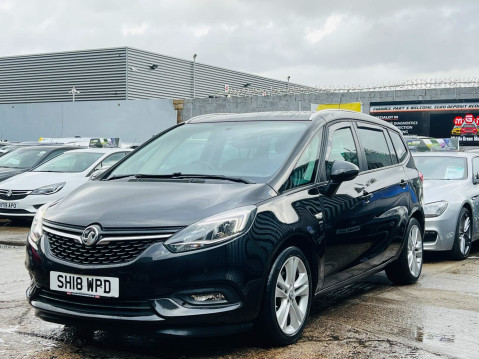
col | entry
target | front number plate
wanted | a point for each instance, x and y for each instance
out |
(84, 285)
(8, 205)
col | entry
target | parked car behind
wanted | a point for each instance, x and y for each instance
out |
(427, 144)
(451, 197)
(22, 195)
(229, 220)
(22, 159)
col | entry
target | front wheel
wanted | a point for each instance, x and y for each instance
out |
(463, 239)
(407, 268)
(287, 298)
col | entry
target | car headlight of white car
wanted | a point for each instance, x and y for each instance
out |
(50, 189)
(212, 230)
(36, 231)
(435, 209)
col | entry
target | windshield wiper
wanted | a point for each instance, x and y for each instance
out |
(180, 175)
(118, 177)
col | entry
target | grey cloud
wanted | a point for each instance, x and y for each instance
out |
(375, 40)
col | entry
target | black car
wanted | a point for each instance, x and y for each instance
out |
(22, 159)
(229, 221)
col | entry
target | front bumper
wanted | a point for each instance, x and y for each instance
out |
(155, 291)
(25, 207)
(440, 232)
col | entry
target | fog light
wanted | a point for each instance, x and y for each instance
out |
(208, 297)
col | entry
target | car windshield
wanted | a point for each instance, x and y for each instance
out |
(441, 167)
(252, 150)
(70, 162)
(23, 157)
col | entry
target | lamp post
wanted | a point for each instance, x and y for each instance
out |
(73, 92)
(288, 82)
(194, 75)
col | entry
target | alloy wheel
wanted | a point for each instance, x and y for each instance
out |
(292, 295)
(414, 250)
(465, 233)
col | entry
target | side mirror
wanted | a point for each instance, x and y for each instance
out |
(341, 171)
(97, 173)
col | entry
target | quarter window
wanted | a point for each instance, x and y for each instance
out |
(305, 170)
(375, 147)
(399, 146)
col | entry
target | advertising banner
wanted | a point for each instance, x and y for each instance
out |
(459, 121)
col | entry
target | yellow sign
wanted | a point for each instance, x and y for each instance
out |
(352, 106)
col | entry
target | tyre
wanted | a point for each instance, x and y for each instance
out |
(463, 239)
(287, 298)
(407, 268)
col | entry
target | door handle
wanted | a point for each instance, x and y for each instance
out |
(403, 184)
(366, 196)
(474, 197)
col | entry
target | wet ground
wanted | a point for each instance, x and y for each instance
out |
(436, 318)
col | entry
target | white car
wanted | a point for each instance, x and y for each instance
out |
(22, 195)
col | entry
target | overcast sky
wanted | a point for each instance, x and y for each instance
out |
(316, 42)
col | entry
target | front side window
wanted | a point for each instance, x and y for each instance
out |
(305, 170)
(112, 159)
(253, 150)
(375, 147)
(343, 148)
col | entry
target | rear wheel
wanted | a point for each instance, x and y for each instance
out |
(287, 298)
(407, 268)
(463, 239)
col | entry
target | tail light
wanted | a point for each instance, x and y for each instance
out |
(421, 176)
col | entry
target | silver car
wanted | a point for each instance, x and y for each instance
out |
(451, 200)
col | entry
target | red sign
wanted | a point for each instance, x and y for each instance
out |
(458, 121)
(469, 118)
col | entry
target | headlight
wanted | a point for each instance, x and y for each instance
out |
(435, 209)
(36, 231)
(212, 230)
(50, 189)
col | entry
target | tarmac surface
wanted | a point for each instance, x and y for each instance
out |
(436, 318)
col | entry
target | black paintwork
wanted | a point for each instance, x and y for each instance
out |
(345, 235)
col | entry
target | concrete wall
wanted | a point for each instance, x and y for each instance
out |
(131, 121)
(302, 102)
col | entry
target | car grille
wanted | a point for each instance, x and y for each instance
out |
(7, 195)
(98, 306)
(114, 247)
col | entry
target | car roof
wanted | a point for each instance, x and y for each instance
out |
(101, 150)
(45, 148)
(324, 116)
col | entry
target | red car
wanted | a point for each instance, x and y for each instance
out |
(469, 129)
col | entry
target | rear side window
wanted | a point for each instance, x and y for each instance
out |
(399, 146)
(375, 147)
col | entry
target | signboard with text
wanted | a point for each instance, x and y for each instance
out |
(440, 120)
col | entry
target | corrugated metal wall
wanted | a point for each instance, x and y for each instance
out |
(97, 74)
(173, 78)
(114, 74)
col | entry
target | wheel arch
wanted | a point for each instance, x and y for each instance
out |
(310, 250)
